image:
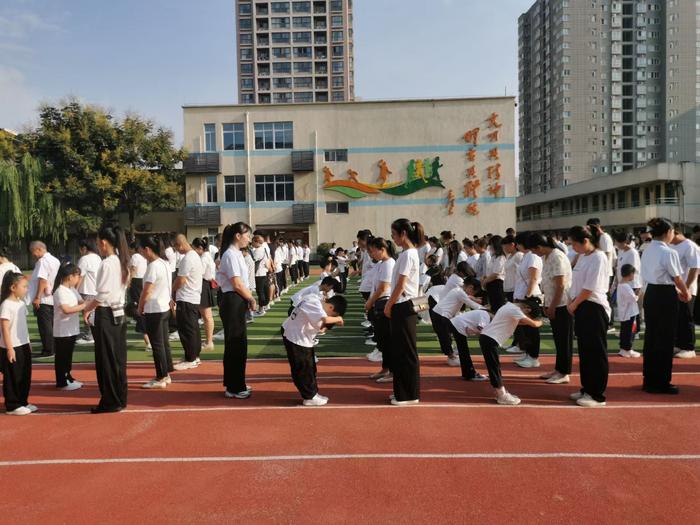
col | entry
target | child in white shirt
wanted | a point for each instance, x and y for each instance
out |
(299, 331)
(324, 289)
(66, 324)
(627, 310)
(15, 352)
(462, 326)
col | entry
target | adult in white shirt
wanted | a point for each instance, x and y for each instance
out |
(300, 259)
(137, 268)
(40, 293)
(263, 265)
(292, 260)
(513, 259)
(208, 298)
(109, 320)
(591, 310)
(494, 274)
(556, 282)
(306, 257)
(405, 285)
(88, 263)
(170, 255)
(482, 250)
(236, 300)
(283, 250)
(188, 295)
(527, 284)
(605, 245)
(689, 258)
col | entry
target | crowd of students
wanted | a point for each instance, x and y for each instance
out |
(488, 289)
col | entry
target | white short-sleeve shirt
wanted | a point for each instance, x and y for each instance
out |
(7, 267)
(65, 325)
(689, 257)
(522, 277)
(472, 321)
(408, 266)
(504, 323)
(660, 264)
(45, 268)
(453, 281)
(171, 257)
(605, 245)
(497, 266)
(158, 274)
(449, 304)
(16, 313)
(511, 270)
(630, 256)
(306, 320)
(627, 305)
(367, 273)
(109, 286)
(190, 267)
(436, 292)
(382, 274)
(139, 263)
(301, 294)
(232, 265)
(209, 266)
(89, 264)
(260, 256)
(591, 273)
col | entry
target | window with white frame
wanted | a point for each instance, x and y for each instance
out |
(274, 188)
(209, 137)
(234, 188)
(234, 136)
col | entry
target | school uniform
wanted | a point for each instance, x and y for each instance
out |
(306, 256)
(631, 257)
(88, 265)
(495, 289)
(591, 322)
(188, 298)
(447, 307)
(45, 268)
(284, 252)
(261, 258)
(138, 265)
(292, 263)
(660, 265)
(314, 289)
(17, 376)
(510, 272)
(556, 264)
(368, 265)
(382, 325)
(453, 281)
(66, 328)
(278, 260)
(343, 271)
(481, 264)
(300, 256)
(208, 297)
(689, 258)
(110, 336)
(460, 325)
(528, 336)
(627, 312)
(233, 316)
(157, 315)
(404, 349)
(496, 333)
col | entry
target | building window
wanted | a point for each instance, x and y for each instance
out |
(302, 67)
(337, 82)
(279, 7)
(246, 69)
(274, 135)
(303, 22)
(337, 36)
(336, 155)
(245, 24)
(280, 38)
(274, 188)
(338, 66)
(246, 84)
(282, 67)
(337, 21)
(282, 98)
(337, 207)
(246, 53)
(282, 83)
(303, 82)
(302, 52)
(248, 98)
(281, 52)
(305, 96)
(244, 9)
(234, 188)
(301, 7)
(302, 37)
(246, 39)
(337, 51)
(338, 96)
(209, 137)
(212, 195)
(233, 137)
(279, 22)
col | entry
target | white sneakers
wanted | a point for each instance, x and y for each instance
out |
(187, 365)
(75, 385)
(558, 379)
(527, 362)
(20, 411)
(175, 336)
(239, 395)
(317, 401)
(478, 378)
(587, 401)
(219, 336)
(453, 360)
(685, 354)
(404, 403)
(385, 378)
(375, 356)
(506, 398)
(370, 342)
(515, 349)
(629, 353)
(157, 384)
(365, 324)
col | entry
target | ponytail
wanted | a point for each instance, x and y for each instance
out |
(66, 270)
(114, 235)
(8, 281)
(153, 243)
(413, 230)
(579, 234)
(659, 226)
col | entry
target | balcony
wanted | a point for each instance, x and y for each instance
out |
(202, 163)
(303, 161)
(202, 216)
(303, 214)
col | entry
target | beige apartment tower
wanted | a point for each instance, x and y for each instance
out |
(297, 51)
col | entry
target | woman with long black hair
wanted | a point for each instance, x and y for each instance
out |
(662, 273)
(109, 321)
(236, 300)
(527, 284)
(495, 274)
(399, 309)
(589, 305)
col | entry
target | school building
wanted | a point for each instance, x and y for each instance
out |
(320, 172)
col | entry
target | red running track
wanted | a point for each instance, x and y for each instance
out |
(189, 455)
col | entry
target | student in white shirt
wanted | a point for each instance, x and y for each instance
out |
(88, 263)
(494, 274)
(263, 264)
(66, 324)
(325, 288)
(665, 287)
(208, 297)
(448, 307)
(109, 319)
(308, 318)
(627, 310)
(342, 258)
(6, 265)
(306, 256)
(689, 258)
(188, 296)
(466, 324)
(15, 352)
(383, 252)
(40, 286)
(137, 269)
(300, 259)
(513, 260)
(237, 299)
(482, 249)
(525, 312)
(405, 285)
(278, 258)
(588, 303)
(292, 260)
(556, 282)
(456, 280)
(527, 284)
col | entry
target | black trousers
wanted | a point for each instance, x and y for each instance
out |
(591, 326)
(157, 329)
(63, 363)
(563, 333)
(135, 289)
(382, 334)
(233, 316)
(489, 347)
(685, 333)
(528, 340)
(404, 351)
(294, 273)
(284, 276)
(497, 297)
(44, 320)
(279, 277)
(110, 360)
(305, 268)
(263, 290)
(344, 280)
(443, 329)
(16, 377)
(626, 334)
(187, 316)
(661, 317)
(465, 358)
(303, 367)
(509, 298)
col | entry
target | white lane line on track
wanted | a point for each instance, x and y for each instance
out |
(335, 457)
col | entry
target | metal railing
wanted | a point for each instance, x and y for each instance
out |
(666, 201)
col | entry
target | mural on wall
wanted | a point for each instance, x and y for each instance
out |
(420, 174)
(450, 202)
(493, 171)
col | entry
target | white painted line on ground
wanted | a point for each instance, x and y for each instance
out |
(336, 457)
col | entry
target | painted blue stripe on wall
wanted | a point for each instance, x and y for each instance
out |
(379, 149)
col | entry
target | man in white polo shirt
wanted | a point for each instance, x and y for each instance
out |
(187, 290)
(41, 293)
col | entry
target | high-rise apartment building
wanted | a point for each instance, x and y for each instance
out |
(606, 86)
(294, 51)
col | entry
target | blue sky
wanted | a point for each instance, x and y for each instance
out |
(153, 56)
